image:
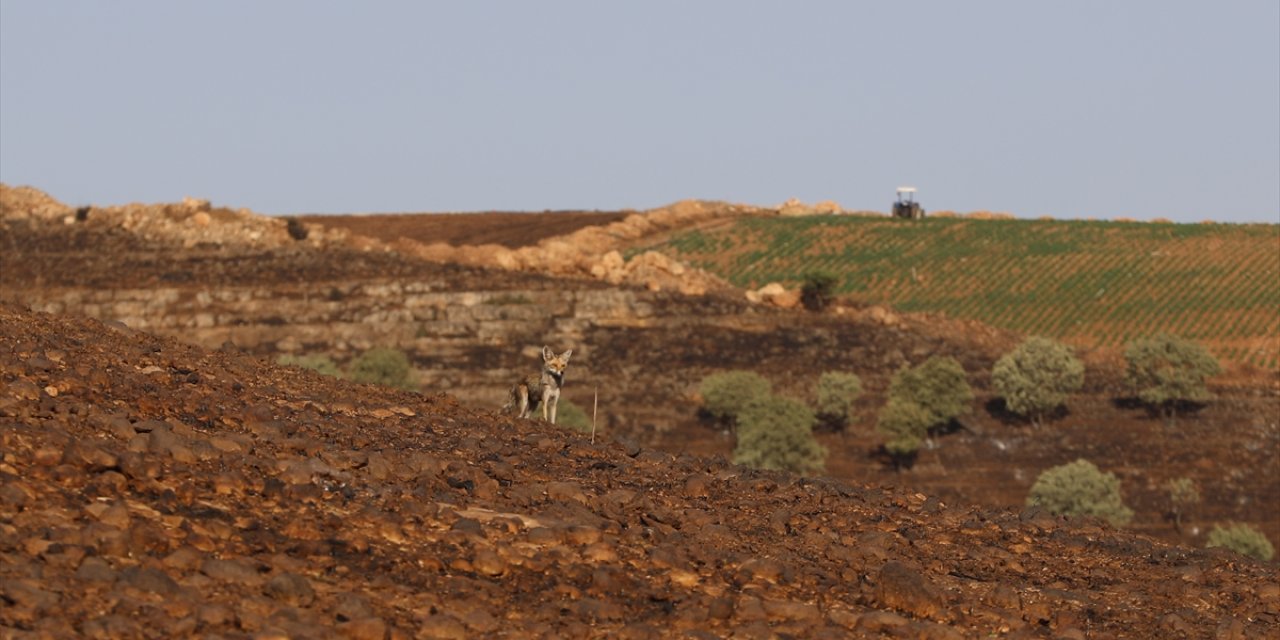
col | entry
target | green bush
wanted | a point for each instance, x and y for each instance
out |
(1080, 489)
(906, 424)
(777, 433)
(837, 392)
(725, 394)
(316, 361)
(571, 416)
(938, 385)
(1183, 493)
(382, 365)
(1035, 378)
(1167, 371)
(1242, 539)
(816, 290)
(296, 229)
(922, 398)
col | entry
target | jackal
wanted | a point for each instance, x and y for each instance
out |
(540, 389)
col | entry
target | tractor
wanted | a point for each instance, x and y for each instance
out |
(906, 206)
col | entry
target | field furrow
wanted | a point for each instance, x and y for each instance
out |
(1091, 283)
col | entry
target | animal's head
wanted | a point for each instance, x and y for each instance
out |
(555, 363)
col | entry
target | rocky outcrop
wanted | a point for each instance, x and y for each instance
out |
(777, 295)
(795, 207)
(596, 251)
(190, 223)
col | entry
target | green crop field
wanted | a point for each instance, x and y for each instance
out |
(1090, 283)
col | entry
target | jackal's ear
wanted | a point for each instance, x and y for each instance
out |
(546, 353)
(565, 356)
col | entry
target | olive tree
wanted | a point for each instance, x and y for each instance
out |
(816, 292)
(777, 433)
(1080, 489)
(1167, 371)
(727, 393)
(922, 398)
(1183, 494)
(1242, 539)
(1036, 377)
(905, 425)
(836, 393)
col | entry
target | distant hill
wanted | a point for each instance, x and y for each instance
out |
(1095, 284)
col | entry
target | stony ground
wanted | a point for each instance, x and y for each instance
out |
(150, 488)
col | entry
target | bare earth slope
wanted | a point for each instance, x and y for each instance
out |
(208, 276)
(150, 488)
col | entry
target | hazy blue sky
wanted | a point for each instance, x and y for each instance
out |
(1073, 109)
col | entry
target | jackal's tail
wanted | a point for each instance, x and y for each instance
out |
(513, 398)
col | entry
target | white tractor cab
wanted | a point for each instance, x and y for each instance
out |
(906, 206)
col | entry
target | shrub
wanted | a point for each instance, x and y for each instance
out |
(1035, 378)
(906, 424)
(1168, 371)
(317, 362)
(922, 398)
(296, 229)
(1183, 493)
(815, 292)
(836, 393)
(571, 416)
(384, 366)
(1080, 489)
(777, 433)
(725, 394)
(938, 386)
(1242, 539)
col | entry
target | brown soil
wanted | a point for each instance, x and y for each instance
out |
(155, 489)
(151, 487)
(512, 230)
(648, 372)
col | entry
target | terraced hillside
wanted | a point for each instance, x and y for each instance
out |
(1094, 284)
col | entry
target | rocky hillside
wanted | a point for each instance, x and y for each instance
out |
(150, 488)
(210, 276)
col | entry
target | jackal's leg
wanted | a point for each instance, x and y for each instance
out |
(552, 405)
(524, 400)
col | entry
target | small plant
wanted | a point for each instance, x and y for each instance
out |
(1168, 372)
(1036, 377)
(1183, 494)
(382, 365)
(836, 393)
(777, 433)
(906, 424)
(1080, 489)
(938, 385)
(1242, 539)
(571, 416)
(296, 229)
(725, 394)
(318, 362)
(816, 290)
(923, 398)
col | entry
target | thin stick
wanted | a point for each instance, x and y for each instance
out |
(595, 405)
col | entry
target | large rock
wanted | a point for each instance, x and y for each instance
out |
(777, 295)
